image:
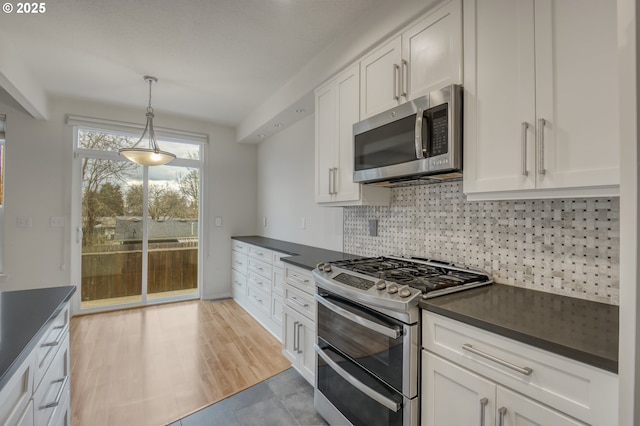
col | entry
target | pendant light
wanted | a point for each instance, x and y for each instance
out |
(151, 156)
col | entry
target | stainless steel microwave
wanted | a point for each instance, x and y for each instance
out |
(419, 140)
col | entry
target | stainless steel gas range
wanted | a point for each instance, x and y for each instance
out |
(368, 328)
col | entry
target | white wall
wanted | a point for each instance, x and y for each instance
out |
(38, 184)
(286, 173)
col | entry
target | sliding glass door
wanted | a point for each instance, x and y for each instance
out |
(139, 227)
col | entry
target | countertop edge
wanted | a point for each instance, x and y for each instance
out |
(540, 343)
(29, 347)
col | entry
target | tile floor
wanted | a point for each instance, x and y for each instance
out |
(285, 399)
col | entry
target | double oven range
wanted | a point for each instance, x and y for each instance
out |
(368, 335)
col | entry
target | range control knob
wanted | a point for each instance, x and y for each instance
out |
(392, 288)
(381, 285)
(326, 267)
(404, 292)
(320, 266)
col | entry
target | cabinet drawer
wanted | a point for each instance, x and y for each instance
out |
(277, 259)
(239, 246)
(259, 299)
(16, 393)
(263, 254)
(277, 281)
(299, 278)
(239, 262)
(53, 393)
(238, 285)
(260, 282)
(580, 390)
(48, 346)
(260, 267)
(300, 301)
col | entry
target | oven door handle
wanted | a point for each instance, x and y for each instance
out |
(393, 332)
(381, 399)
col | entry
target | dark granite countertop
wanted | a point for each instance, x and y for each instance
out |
(578, 329)
(305, 257)
(24, 317)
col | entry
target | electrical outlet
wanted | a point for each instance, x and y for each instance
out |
(218, 221)
(56, 221)
(24, 222)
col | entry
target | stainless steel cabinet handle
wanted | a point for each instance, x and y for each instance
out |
(522, 370)
(335, 180)
(525, 127)
(390, 404)
(63, 332)
(540, 131)
(329, 190)
(300, 280)
(296, 301)
(418, 134)
(295, 334)
(394, 332)
(405, 78)
(396, 82)
(56, 401)
(501, 412)
(299, 328)
(483, 406)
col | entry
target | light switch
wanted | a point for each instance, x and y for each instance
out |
(24, 222)
(303, 223)
(56, 221)
(218, 221)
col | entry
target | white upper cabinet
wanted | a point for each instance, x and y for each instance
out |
(424, 57)
(540, 99)
(337, 109)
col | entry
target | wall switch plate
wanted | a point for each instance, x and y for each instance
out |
(218, 221)
(264, 221)
(303, 223)
(24, 222)
(373, 227)
(56, 221)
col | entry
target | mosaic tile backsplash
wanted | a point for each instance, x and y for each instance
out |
(568, 246)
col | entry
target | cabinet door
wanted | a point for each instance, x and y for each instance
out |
(325, 142)
(519, 410)
(432, 51)
(499, 98)
(307, 359)
(347, 90)
(453, 396)
(380, 79)
(577, 93)
(290, 321)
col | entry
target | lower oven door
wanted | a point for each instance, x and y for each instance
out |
(347, 394)
(384, 346)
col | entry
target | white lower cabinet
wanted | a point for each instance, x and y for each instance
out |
(471, 376)
(454, 396)
(299, 321)
(38, 392)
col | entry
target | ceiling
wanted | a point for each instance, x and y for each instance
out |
(215, 60)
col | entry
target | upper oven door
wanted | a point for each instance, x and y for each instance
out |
(392, 143)
(384, 346)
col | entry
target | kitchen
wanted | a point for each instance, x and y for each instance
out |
(271, 180)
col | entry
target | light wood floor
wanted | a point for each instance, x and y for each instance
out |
(153, 365)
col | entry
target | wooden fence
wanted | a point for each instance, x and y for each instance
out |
(107, 275)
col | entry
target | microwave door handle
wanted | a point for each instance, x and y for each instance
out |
(418, 134)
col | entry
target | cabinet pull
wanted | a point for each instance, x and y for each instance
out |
(300, 280)
(56, 401)
(396, 83)
(56, 342)
(418, 134)
(335, 180)
(483, 406)
(525, 127)
(501, 413)
(522, 370)
(405, 78)
(295, 339)
(541, 123)
(330, 173)
(299, 328)
(299, 303)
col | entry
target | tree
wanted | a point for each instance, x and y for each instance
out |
(110, 200)
(189, 186)
(134, 200)
(165, 203)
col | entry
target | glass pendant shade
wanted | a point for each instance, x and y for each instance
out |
(151, 156)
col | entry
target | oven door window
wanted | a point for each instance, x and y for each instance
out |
(340, 323)
(393, 143)
(352, 395)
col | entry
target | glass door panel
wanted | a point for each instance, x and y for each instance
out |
(173, 224)
(111, 265)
